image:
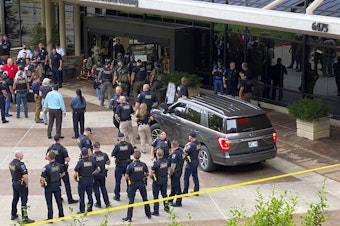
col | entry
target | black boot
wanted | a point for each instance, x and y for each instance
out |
(25, 218)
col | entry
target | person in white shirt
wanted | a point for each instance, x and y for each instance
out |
(24, 49)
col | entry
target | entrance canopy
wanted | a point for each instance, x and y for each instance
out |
(285, 15)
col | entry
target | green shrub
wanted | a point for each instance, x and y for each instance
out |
(307, 109)
(194, 80)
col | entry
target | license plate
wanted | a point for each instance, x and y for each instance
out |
(252, 144)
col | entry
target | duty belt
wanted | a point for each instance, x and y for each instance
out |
(21, 91)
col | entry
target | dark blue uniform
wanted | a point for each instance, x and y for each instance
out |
(78, 105)
(165, 145)
(85, 168)
(99, 179)
(60, 154)
(122, 152)
(124, 111)
(160, 180)
(176, 158)
(192, 149)
(182, 90)
(137, 171)
(2, 102)
(20, 190)
(55, 62)
(148, 97)
(84, 142)
(114, 103)
(42, 56)
(51, 173)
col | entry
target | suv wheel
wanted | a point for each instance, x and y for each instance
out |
(205, 160)
(155, 130)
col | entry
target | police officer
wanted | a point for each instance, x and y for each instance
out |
(21, 87)
(122, 152)
(62, 157)
(156, 81)
(5, 48)
(83, 174)
(136, 174)
(163, 143)
(96, 69)
(50, 180)
(121, 76)
(182, 90)
(218, 72)
(3, 96)
(19, 175)
(147, 97)
(190, 153)
(176, 168)
(114, 104)
(159, 175)
(102, 159)
(85, 142)
(138, 77)
(123, 116)
(106, 80)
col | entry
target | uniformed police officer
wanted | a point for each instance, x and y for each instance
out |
(5, 48)
(122, 152)
(176, 168)
(123, 116)
(50, 180)
(96, 69)
(3, 96)
(147, 97)
(85, 142)
(190, 153)
(182, 90)
(102, 159)
(115, 102)
(62, 157)
(138, 77)
(19, 175)
(161, 142)
(84, 171)
(106, 80)
(136, 174)
(121, 76)
(159, 175)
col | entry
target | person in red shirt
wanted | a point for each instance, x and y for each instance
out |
(12, 69)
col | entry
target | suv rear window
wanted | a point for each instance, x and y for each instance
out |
(247, 124)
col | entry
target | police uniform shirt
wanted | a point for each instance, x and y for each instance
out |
(101, 158)
(97, 69)
(192, 149)
(148, 98)
(5, 47)
(247, 85)
(176, 158)
(122, 151)
(232, 76)
(51, 172)
(2, 87)
(140, 73)
(165, 145)
(21, 61)
(124, 111)
(182, 90)
(36, 59)
(43, 53)
(55, 60)
(60, 152)
(160, 167)
(136, 171)
(17, 169)
(131, 66)
(84, 141)
(85, 167)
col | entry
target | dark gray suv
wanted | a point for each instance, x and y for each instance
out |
(231, 131)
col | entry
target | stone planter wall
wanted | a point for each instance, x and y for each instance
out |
(313, 130)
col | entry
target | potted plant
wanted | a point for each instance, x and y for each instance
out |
(312, 118)
(194, 81)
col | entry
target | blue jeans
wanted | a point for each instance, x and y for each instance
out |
(191, 169)
(132, 193)
(21, 97)
(218, 86)
(8, 103)
(99, 182)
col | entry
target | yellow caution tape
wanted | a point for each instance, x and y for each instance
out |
(111, 209)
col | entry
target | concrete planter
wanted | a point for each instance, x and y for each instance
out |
(313, 130)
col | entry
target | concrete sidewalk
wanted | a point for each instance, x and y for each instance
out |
(294, 154)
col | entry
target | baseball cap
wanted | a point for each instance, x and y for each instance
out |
(88, 129)
(96, 144)
(57, 137)
(84, 151)
(120, 135)
(192, 133)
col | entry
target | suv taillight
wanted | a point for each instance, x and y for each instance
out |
(274, 137)
(223, 144)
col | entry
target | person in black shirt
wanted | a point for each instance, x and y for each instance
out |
(78, 105)
(144, 131)
(56, 65)
(182, 90)
(246, 88)
(19, 175)
(3, 96)
(85, 142)
(5, 48)
(277, 75)
(123, 116)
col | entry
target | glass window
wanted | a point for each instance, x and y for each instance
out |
(248, 124)
(178, 109)
(194, 114)
(215, 122)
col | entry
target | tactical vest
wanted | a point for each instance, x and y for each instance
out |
(123, 151)
(54, 172)
(97, 70)
(107, 74)
(125, 112)
(164, 145)
(122, 75)
(21, 85)
(162, 171)
(99, 157)
(195, 147)
(137, 174)
(56, 148)
(141, 74)
(14, 169)
(87, 168)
